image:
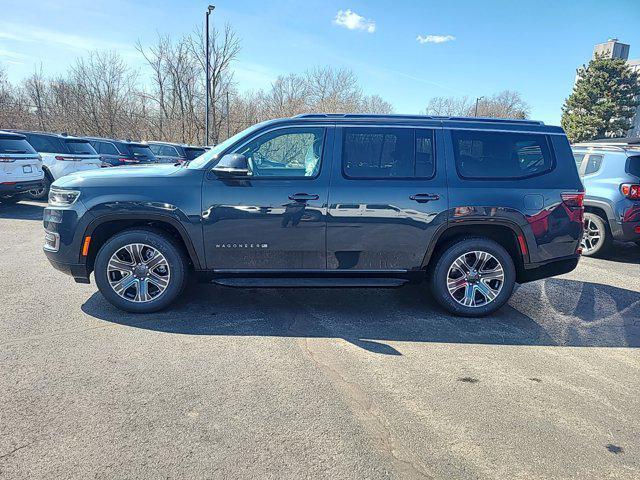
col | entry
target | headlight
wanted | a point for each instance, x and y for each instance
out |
(62, 198)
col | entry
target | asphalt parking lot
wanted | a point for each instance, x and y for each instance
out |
(316, 383)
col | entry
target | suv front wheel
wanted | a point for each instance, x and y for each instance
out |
(473, 277)
(140, 271)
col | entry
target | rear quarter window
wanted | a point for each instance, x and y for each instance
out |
(14, 145)
(500, 155)
(45, 143)
(633, 166)
(193, 152)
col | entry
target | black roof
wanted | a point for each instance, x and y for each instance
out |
(128, 142)
(48, 134)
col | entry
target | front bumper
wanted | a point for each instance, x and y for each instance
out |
(64, 230)
(20, 187)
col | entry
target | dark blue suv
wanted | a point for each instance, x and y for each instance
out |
(610, 171)
(331, 200)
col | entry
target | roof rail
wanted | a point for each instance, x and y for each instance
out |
(420, 117)
(620, 147)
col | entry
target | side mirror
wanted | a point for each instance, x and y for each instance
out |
(232, 165)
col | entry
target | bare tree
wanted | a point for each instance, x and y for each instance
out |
(506, 104)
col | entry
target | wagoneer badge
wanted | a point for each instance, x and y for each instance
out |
(242, 245)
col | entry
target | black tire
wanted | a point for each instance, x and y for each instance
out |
(9, 199)
(158, 240)
(444, 262)
(42, 194)
(604, 243)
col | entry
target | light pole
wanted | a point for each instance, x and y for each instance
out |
(210, 9)
(476, 111)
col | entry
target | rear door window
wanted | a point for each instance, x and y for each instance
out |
(386, 153)
(579, 157)
(79, 147)
(13, 145)
(500, 155)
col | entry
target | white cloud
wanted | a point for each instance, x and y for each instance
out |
(435, 38)
(351, 20)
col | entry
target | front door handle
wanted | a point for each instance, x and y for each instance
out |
(424, 197)
(303, 197)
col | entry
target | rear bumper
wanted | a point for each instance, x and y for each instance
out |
(560, 266)
(19, 187)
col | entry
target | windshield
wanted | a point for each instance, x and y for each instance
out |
(81, 147)
(15, 145)
(209, 155)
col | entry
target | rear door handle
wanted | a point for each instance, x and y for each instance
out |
(424, 197)
(302, 197)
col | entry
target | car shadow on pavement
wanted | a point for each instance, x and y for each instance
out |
(623, 253)
(555, 312)
(22, 211)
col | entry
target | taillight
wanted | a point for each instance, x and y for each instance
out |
(7, 159)
(127, 160)
(574, 201)
(67, 159)
(630, 190)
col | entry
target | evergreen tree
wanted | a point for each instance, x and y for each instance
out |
(603, 101)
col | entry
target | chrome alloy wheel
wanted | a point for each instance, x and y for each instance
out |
(138, 273)
(591, 237)
(475, 279)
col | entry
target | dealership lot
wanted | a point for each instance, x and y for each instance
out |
(316, 383)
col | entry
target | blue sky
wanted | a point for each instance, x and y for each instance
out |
(465, 47)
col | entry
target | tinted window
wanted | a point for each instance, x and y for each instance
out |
(482, 154)
(193, 152)
(15, 145)
(387, 153)
(45, 144)
(155, 149)
(579, 157)
(141, 150)
(633, 166)
(169, 151)
(593, 164)
(79, 147)
(292, 152)
(108, 148)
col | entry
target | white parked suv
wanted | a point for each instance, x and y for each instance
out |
(20, 167)
(61, 155)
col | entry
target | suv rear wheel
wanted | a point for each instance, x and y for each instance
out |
(596, 238)
(140, 271)
(473, 277)
(41, 193)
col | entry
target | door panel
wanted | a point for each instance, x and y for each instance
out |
(268, 221)
(385, 223)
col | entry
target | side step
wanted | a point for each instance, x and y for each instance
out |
(325, 282)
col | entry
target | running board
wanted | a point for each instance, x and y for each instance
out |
(324, 282)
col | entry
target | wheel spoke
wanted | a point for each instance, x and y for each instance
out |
(123, 284)
(158, 281)
(456, 284)
(120, 265)
(469, 298)
(486, 291)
